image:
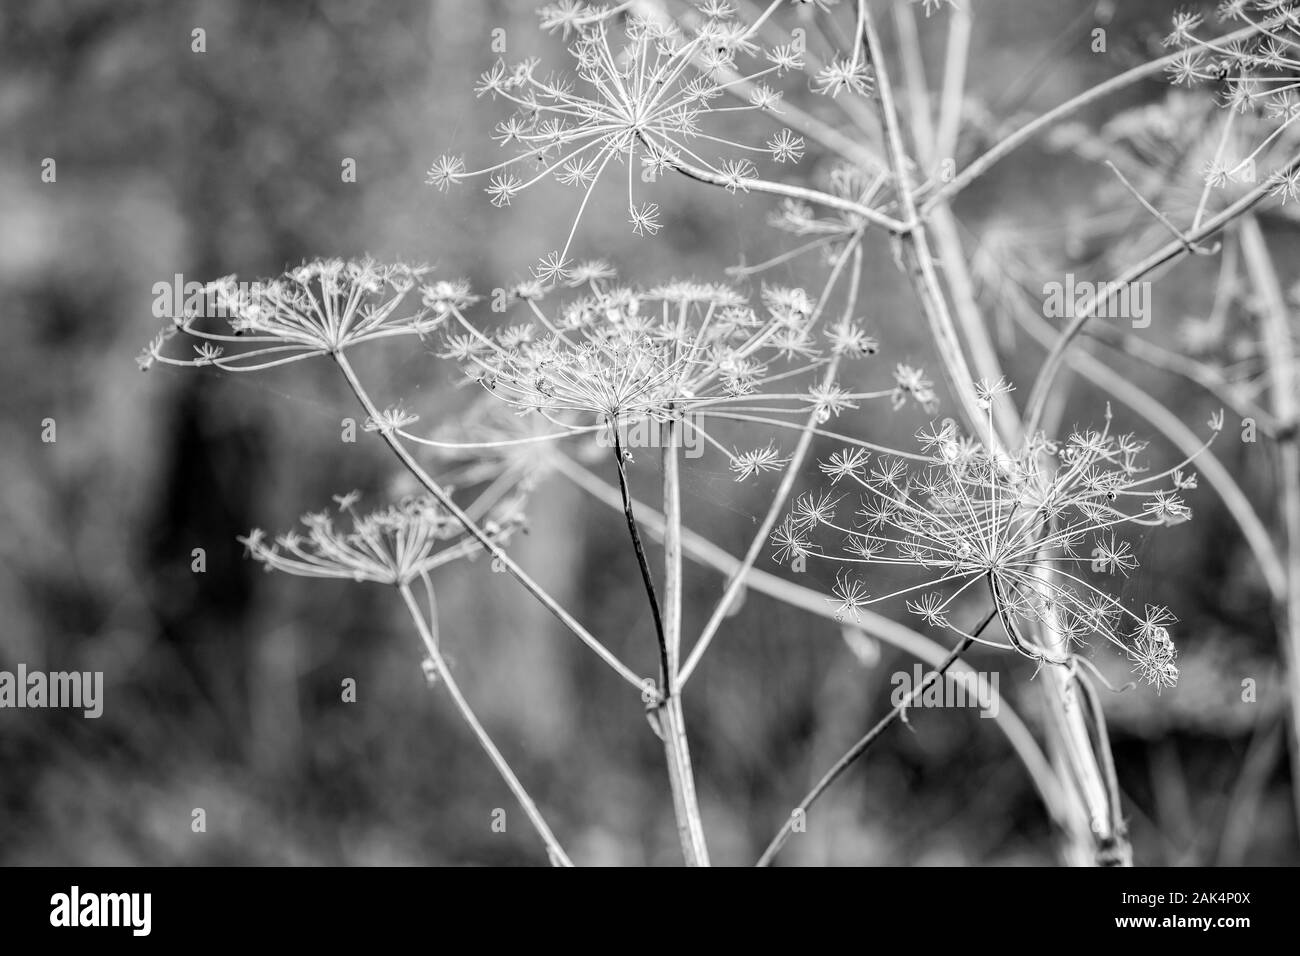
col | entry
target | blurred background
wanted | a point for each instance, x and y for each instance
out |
(222, 688)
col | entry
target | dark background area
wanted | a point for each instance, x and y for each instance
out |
(222, 688)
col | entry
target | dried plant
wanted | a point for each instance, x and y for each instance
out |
(993, 501)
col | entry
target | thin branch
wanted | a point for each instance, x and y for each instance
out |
(1199, 373)
(1190, 247)
(1027, 132)
(472, 528)
(1172, 251)
(553, 849)
(782, 493)
(864, 744)
(793, 192)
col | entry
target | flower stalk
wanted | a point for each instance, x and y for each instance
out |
(425, 628)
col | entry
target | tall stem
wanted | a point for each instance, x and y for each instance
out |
(1117, 851)
(941, 222)
(916, 244)
(1071, 734)
(643, 563)
(667, 713)
(553, 849)
(690, 827)
(1280, 349)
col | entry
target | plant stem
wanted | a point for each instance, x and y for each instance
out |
(705, 552)
(941, 224)
(472, 528)
(1071, 735)
(954, 84)
(914, 81)
(1173, 250)
(791, 472)
(1117, 851)
(553, 849)
(1121, 388)
(916, 246)
(797, 192)
(864, 744)
(647, 578)
(1279, 346)
(981, 165)
(668, 714)
(690, 827)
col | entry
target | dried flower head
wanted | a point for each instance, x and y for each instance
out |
(1255, 79)
(640, 97)
(1043, 538)
(321, 307)
(394, 545)
(694, 353)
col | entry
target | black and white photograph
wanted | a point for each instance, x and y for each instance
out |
(651, 433)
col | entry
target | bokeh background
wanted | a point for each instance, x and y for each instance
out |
(223, 688)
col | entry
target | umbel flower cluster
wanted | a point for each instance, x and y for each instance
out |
(318, 308)
(643, 97)
(1041, 528)
(698, 353)
(1257, 78)
(393, 545)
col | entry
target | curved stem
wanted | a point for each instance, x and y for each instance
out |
(795, 192)
(1205, 376)
(1017, 139)
(1173, 250)
(864, 743)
